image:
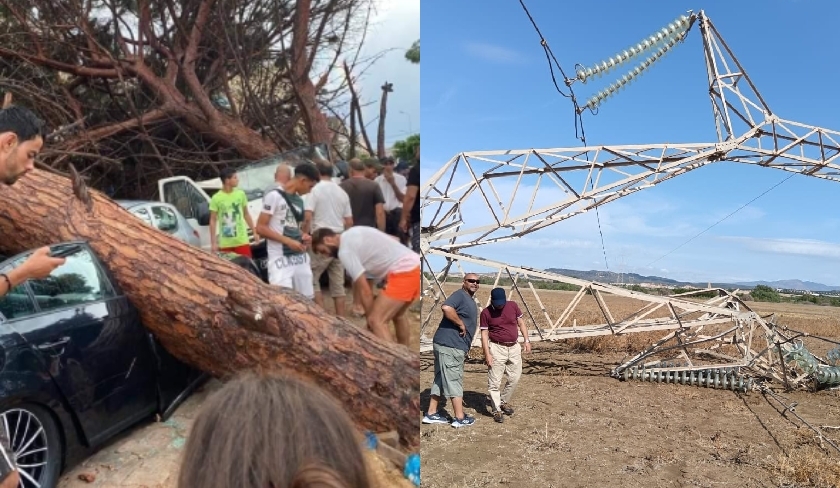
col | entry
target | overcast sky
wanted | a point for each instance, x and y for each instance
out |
(395, 25)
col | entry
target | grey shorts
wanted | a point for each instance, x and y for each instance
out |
(449, 371)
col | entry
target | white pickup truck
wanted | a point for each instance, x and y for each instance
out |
(192, 198)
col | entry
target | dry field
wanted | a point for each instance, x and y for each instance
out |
(576, 426)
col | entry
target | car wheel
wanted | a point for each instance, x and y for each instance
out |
(34, 438)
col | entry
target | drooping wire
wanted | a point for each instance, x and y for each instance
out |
(580, 134)
(578, 119)
(721, 220)
(552, 61)
(549, 55)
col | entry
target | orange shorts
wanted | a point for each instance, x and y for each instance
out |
(404, 286)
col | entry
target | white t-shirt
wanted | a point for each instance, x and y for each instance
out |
(364, 249)
(329, 204)
(391, 200)
(281, 216)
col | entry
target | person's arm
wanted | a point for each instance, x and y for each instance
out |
(348, 212)
(11, 481)
(524, 329)
(450, 313)
(361, 288)
(380, 216)
(379, 207)
(213, 244)
(39, 265)
(271, 234)
(250, 222)
(411, 192)
(308, 208)
(399, 189)
(214, 215)
(248, 219)
(307, 222)
(485, 339)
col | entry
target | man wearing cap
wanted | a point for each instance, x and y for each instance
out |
(372, 168)
(500, 324)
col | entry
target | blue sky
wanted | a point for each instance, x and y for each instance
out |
(485, 85)
(394, 26)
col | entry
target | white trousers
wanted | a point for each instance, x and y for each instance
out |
(292, 272)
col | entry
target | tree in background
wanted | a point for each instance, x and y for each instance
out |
(413, 53)
(154, 88)
(762, 293)
(405, 148)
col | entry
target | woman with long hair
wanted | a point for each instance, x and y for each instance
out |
(263, 431)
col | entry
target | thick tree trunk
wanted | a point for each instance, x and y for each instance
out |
(383, 111)
(356, 109)
(305, 89)
(214, 315)
(230, 132)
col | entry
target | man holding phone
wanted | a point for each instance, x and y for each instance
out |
(21, 139)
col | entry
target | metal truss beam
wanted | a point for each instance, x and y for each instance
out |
(486, 197)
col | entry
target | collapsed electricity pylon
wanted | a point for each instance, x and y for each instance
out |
(719, 342)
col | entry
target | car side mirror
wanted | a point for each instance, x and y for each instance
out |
(203, 213)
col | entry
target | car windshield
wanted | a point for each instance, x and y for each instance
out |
(256, 177)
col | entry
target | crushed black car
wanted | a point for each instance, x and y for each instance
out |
(77, 366)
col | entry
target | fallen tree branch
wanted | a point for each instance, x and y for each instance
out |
(214, 315)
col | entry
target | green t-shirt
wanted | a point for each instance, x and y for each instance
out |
(230, 208)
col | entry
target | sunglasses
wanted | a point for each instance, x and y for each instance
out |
(471, 281)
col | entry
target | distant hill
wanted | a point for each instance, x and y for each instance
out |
(636, 279)
(793, 285)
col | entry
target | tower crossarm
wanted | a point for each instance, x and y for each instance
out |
(791, 146)
(485, 197)
(518, 192)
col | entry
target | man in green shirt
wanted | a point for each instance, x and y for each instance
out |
(229, 209)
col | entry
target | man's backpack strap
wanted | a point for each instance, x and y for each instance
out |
(298, 215)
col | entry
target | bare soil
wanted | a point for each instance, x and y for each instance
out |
(574, 425)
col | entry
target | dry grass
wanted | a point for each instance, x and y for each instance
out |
(816, 320)
(809, 466)
(805, 462)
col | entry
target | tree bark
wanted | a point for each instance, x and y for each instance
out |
(305, 90)
(214, 315)
(356, 110)
(383, 111)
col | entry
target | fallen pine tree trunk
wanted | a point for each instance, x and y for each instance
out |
(214, 315)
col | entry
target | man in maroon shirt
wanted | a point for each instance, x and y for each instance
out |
(500, 324)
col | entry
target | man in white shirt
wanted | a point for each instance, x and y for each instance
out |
(328, 207)
(279, 222)
(364, 250)
(393, 186)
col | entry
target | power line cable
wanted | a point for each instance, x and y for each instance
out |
(721, 220)
(580, 133)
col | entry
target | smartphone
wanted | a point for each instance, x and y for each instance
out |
(7, 465)
(65, 251)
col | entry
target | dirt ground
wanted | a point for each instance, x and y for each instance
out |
(576, 426)
(148, 455)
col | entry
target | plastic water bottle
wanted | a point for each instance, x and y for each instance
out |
(412, 469)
